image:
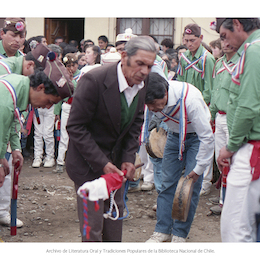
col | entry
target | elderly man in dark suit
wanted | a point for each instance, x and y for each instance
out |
(104, 125)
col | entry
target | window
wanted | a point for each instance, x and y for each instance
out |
(159, 27)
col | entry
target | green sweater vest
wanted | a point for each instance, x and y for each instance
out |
(127, 113)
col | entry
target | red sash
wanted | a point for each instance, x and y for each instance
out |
(254, 160)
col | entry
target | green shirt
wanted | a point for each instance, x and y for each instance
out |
(11, 65)
(3, 52)
(221, 84)
(194, 77)
(9, 127)
(243, 112)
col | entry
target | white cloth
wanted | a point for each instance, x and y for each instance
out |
(5, 192)
(221, 139)
(87, 68)
(238, 223)
(199, 115)
(64, 137)
(147, 168)
(130, 92)
(96, 189)
(44, 131)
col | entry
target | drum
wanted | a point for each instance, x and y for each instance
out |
(182, 199)
(139, 169)
(156, 143)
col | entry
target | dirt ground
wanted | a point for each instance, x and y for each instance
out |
(47, 206)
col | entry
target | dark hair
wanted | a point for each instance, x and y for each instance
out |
(68, 49)
(103, 38)
(181, 47)
(156, 87)
(88, 40)
(39, 38)
(216, 43)
(39, 77)
(29, 56)
(120, 42)
(167, 42)
(73, 43)
(58, 38)
(249, 24)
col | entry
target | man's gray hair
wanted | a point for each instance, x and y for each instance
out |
(145, 43)
(55, 48)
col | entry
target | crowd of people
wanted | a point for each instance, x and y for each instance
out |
(91, 108)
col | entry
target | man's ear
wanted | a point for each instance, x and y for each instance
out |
(30, 63)
(40, 87)
(201, 37)
(237, 25)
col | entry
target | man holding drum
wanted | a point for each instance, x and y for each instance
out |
(189, 145)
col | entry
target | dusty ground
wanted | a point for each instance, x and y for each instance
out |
(47, 206)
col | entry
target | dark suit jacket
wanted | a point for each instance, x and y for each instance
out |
(94, 126)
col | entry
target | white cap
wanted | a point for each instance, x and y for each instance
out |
(125, 36)
(111, 56)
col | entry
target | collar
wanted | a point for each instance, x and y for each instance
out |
(123, 85)
(255, 35)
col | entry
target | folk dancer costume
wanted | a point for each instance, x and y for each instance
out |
(222, 72)
(238, 223)
(197, 71)
(190, 144)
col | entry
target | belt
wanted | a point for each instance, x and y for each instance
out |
(221, 112)
(177, 134)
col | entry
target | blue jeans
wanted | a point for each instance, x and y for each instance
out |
(171, 172)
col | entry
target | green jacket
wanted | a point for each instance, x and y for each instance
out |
(9, 128)
(11, 65)
(243, 112)
(221, 84)
(193, 76)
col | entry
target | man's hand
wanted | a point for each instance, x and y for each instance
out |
(2, 176)
(130, 170)
(155, 122)
(223, 157)
(17, 156)
(193, 175)
(111, 168)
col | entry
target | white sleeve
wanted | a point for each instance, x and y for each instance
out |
(199, 115)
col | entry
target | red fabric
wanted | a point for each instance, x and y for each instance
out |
(70, 100)
(29, 122)
(113, 180)
(221, 112)
(254, 160)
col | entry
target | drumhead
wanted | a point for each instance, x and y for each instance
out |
(182, 199)
(156, 143)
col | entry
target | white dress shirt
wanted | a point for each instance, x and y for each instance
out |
(130, 92)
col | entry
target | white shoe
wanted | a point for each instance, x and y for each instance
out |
(37, 162)
(176, 239)
(147, 186)
(204, 192)
(49, 162)
(6, 221)
(158, 237)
